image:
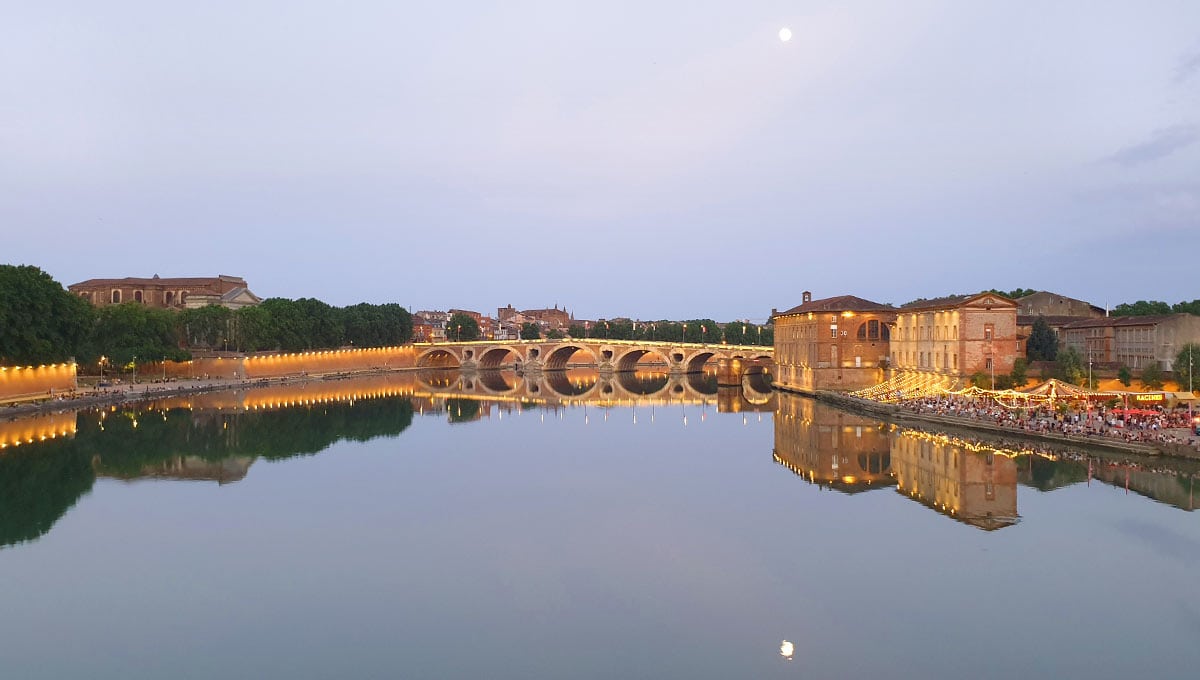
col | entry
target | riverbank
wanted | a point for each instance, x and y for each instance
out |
(898, 414)
(123, 395)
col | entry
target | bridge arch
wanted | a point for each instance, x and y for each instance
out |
(437, 357)
(628, 360)
(695, 362)
(557, 358)
(494, 357)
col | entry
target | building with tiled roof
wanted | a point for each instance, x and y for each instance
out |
(837, 343)
(956, 336)
(1133, 341)
(169, 293)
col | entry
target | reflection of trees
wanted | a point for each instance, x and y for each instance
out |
(127, 443)
(41, 481)
(462, 410)
(1044, 474)
(38, 484)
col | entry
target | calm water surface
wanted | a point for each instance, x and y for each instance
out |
(441, 527)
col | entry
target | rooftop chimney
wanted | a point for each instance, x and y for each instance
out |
(807, 297)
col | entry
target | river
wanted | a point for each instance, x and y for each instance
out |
(450, 526)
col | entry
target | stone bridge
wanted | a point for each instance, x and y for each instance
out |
(608, 356)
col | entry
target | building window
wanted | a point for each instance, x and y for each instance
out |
(169, 298)
(116, 297)
(988, 363)
(833, 330)
(183, 297)
(988, 331)
(137, 296)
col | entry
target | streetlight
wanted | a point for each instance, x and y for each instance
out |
(685, 332)
(135, 369)
(103, 360)
(460, 332)
(1089, 370)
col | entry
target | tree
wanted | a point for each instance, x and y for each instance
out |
(1070, 367)
(1152, 376)
(530, 331)
(702, 330)
(40, 322)
(1015, 293)
(1042, 344)
(577, 330)
(253, 329)
(132, 332)
(1192, 307)
(1125, 376)
(981, 380)
(1018, 374)
(462, 327)
(1187, 366)
(554, 334)
(209, 326)
(1141, 308)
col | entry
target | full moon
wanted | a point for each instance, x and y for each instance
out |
(785, 34)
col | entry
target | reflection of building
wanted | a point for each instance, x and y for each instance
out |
(979, 488)
(831, 447)
(1132, 341)
(194, 468)
(190, 292)
(956, 336)
(837, 343)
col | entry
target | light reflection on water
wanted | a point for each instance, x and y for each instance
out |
(455, 525)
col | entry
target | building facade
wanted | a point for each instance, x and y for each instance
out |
(1055, 310)
(170, 293)
(838, 343)
(1045, 303)
(956, 336)
(1133, 341)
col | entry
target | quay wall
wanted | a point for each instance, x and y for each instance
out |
(22, 382)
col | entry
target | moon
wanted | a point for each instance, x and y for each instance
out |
(785, 34)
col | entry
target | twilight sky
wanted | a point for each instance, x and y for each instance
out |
(649, 159)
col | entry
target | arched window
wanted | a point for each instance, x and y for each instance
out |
(169, 298)
(116, 297)
(137, 296)
(183, 297)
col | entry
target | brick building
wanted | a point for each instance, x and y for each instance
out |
(170, 293)
(838, 343)
(1056, 310)
(1132, 341)
(956, 336)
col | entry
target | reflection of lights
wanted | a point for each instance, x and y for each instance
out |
(786, 650)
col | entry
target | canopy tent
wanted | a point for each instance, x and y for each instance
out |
(1057, 389)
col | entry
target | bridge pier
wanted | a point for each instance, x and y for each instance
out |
(729, 372)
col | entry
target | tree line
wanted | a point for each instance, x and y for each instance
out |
(41, 322)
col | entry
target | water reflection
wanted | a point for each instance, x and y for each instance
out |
(970, 480)
(48, 461)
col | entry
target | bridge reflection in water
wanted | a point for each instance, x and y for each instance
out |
(970, 481)
(48, 461)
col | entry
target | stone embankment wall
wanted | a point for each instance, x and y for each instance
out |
(20, 382)
(258, 366)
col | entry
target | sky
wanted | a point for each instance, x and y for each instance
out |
(642, 159)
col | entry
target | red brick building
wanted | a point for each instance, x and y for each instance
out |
(170, 293)
(838, 343)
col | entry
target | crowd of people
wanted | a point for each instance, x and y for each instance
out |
(1081, 419)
